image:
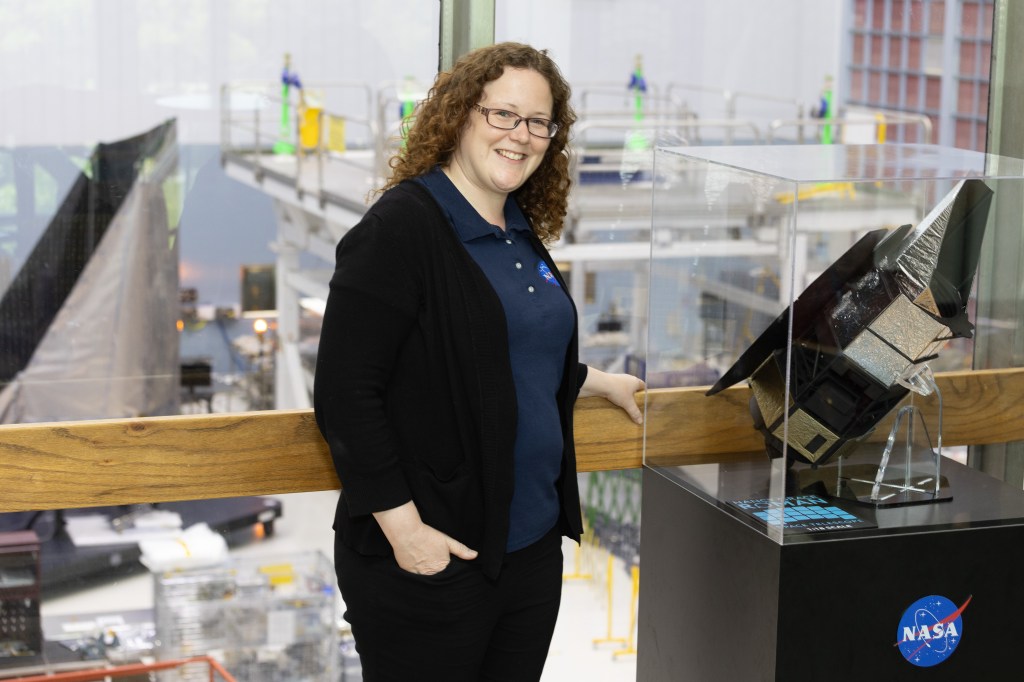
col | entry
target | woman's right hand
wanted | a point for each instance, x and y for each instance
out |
(419, 548)
(427, 551)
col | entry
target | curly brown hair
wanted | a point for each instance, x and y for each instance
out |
(440, 119)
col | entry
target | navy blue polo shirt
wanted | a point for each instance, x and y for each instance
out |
(540, 326)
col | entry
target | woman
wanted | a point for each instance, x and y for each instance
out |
(446, 378)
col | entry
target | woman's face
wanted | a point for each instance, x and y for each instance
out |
(495, 162)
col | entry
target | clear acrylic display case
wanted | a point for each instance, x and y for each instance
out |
(263, 618)
(740, 238)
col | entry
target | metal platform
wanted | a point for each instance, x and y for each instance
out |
(321, 192)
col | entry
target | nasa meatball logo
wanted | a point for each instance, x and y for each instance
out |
(930, 630)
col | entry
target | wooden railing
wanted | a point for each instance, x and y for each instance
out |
(162, 459)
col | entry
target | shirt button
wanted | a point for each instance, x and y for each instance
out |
(519, 266)
(508, 241)
(530, 289)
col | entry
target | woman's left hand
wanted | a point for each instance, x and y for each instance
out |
(618, 389)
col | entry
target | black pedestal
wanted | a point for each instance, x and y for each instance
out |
(720, 600)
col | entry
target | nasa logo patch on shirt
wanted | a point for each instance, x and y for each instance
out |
(544, 271)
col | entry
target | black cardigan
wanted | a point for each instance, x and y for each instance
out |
(414, 391)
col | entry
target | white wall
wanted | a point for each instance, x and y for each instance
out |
(776, 48)
(82, 71)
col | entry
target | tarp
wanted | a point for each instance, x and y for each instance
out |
(87, 327)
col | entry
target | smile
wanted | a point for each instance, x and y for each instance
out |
(512, 156)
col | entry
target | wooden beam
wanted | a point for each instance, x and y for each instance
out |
(163, 459)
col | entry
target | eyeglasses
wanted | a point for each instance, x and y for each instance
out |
(506, 120)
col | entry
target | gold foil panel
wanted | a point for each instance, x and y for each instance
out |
(907, 328)
(805, 430)
(927, 301)
(876, 358)
(769, 389)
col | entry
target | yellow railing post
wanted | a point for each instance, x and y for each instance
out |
(610, 583)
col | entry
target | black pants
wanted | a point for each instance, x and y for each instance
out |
(457, 624)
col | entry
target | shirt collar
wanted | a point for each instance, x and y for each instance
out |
(468, 223)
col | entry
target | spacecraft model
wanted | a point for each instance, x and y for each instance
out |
(872, 318)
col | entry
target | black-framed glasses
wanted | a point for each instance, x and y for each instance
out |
(506, 120)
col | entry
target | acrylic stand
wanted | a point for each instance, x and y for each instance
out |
(910, 468)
